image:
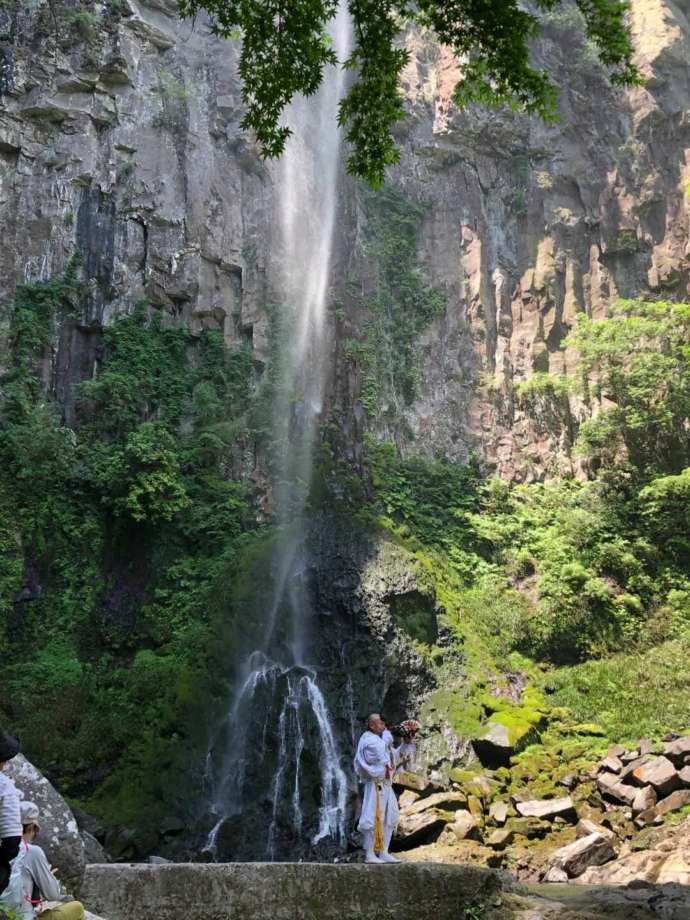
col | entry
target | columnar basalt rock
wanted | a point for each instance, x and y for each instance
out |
(122, 138)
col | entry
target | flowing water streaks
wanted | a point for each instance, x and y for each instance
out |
(278, 707)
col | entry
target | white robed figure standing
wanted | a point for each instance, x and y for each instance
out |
(375, 763)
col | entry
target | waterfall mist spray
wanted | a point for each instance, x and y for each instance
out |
(278, 704)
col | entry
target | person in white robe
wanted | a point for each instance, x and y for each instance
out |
(375, 764)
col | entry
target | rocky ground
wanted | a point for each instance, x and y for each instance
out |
(619, 821)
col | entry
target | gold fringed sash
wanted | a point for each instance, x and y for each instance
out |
(379, 843)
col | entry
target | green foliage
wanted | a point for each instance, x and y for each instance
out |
(638, 362)
(425, 500)
(127, 523)
(633, 696)
(666, 512)
(82, 22)
(144, 476)
(146, 376)
(562, 572)
(400, 307)
(285, 48)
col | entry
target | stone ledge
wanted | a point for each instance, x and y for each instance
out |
(285, 891)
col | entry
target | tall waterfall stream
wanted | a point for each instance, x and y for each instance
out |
(278, 705)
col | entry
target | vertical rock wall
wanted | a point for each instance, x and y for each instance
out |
(120, 137)
(530, 224)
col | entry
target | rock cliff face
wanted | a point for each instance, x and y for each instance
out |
(119, 136)
(532, 223)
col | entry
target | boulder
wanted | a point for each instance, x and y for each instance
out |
(659, 773)
(642, 866)
(616, 750)
(474, 783)
(422, 827)
(555, 874)
(498, 742)
(570, 780)
(675, 870)
(449, 801)
(610, 785)
(678, 750)
(411, 781)
(498, 812)
(93, 850)
(684, 776)
(475, 806)
(612, 764)
(633, 764)
(59, 835)
(592, 850)
(465, 826)
(645, 746)
(645, 798)
(678, 799)
(407, 797)
(546, 808)
(585, 827)
(499, 839)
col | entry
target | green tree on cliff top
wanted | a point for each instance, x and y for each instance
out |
(286, 45)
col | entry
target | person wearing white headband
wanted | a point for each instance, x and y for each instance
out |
(375, 763)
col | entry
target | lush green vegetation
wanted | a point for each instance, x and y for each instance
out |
(631, 695)
(119, 533)
(130, 555)
(285, 49)
(593, 571)
(395, 309)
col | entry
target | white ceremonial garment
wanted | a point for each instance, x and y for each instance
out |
(371, 760)
(400, 757)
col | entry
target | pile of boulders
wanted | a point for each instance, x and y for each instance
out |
(651, 783)
(482, 817)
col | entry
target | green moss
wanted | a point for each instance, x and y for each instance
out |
(460, 712)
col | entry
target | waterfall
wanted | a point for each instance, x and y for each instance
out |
(279, 717)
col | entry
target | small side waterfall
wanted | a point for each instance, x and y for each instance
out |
(278, 730)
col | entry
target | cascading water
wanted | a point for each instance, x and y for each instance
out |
(278, 724)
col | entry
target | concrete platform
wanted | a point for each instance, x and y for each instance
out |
(285, 891)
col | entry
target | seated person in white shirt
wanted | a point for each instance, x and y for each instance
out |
(38, 878)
